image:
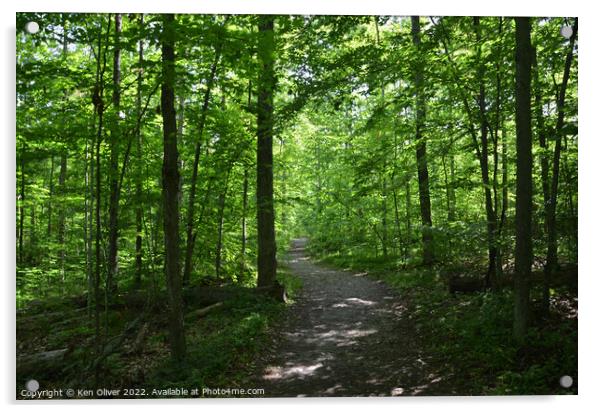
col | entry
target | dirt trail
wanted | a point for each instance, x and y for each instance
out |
(346, 335)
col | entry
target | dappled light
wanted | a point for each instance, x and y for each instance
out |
(345, 316)
(296, 205)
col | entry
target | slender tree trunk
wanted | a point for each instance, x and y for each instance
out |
(484, 160)
(499, 98)
(245, 199)
(384, 149)
(190, 235)
(552, 241)
(243, 230)
(139, 160)
(61, 220)
(504, 172)
(21, 205)
(220, 227)
(398, 222)
(266, 237)
(89, 216)
(97, 99)
(396, 199)
(524, 184)
(408, 215)
(50, 200)
(112, 265)
(32, 228)
(447, 195)
(428, 251)
(452, 188)
(62, 180)
(170, 185)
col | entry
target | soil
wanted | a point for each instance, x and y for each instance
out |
(345, 335)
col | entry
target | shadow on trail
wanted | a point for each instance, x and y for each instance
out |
(346, 335)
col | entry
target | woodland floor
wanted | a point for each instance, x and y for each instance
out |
(346, 335)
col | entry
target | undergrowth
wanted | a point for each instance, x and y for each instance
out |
(469, 336)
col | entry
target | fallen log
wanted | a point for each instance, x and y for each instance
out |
(114, 344)
(44, 360)
(49, 315)
(276, 291)
(203, 311)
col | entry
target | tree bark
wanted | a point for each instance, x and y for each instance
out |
(220, 226)
(428, 252)
(61, 218)
(524, 185)
(243, 229)
(484, 160)
(112, 264)
(266, 257)
(190, 235)
(97, 99)
(552, 241)
(50, 194)
(62, 179)
(170, 186)
(21, 204)
(138, 273)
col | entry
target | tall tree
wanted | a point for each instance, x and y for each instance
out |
(266, 236)
(483, 155)
(63, 172)
(170, 185)
(524, 185)
(112, 266)
(190, 234)
(138, 276)
(428, 248)
(99, 107)
(552, 191)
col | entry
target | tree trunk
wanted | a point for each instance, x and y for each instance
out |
(139, 160)
(170, 186)
(452, 188)
(61, 220)
(21, 205)
(552, 242)
(383, 146)
(243, 230)
(99, 108)
(408, 215)
(89, 222)
(524, 185)
(190, 236)
(447, 195)
(428, 252)
(50, 194)
(266, 238)
(62, 180)
(245, 202)
(484, 161)
(112, 264)
(220, 227)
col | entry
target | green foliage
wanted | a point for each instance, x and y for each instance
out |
(344, 173)
(223, 346)
(469, 336)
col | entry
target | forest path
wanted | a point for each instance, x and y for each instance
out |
(346, 335)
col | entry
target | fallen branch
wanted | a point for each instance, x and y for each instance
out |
(115, 343)
(41, 361)
(203, 311)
